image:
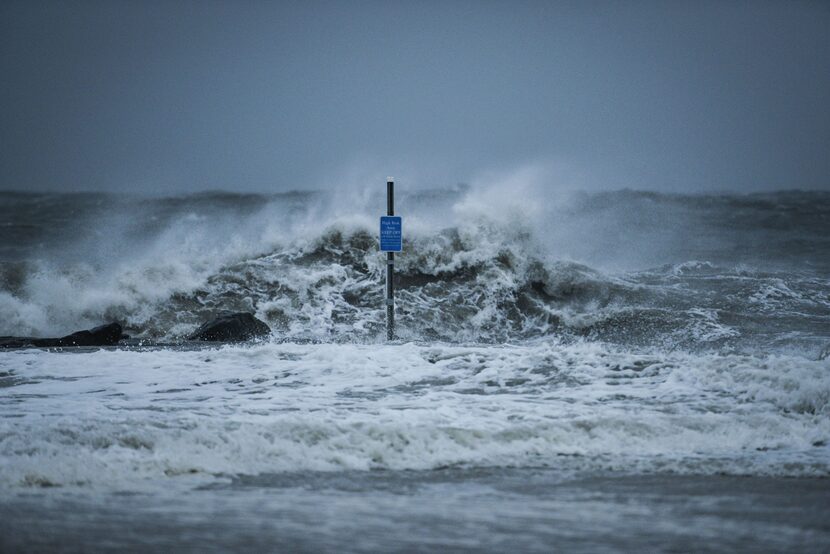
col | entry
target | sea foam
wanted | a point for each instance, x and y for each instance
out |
(116, 419)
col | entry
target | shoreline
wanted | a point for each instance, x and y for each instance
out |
(452, 510)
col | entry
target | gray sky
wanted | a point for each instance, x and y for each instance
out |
(179, 96)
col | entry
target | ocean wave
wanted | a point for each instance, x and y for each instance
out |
(475, 268)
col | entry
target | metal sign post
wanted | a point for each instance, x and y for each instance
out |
(390, 242)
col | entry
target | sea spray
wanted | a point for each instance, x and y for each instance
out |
(476, 267)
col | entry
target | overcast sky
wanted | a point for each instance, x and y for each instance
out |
(253, 95)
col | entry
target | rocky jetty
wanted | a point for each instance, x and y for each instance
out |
(104, 335)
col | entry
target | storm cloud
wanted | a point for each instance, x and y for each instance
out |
(183, 96)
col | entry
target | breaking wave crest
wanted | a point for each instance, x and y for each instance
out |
(474, 269)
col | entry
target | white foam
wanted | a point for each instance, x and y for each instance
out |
(119, 418)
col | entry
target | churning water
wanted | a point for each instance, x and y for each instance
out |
(617, 371)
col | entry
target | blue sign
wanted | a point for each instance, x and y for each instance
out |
(390, 233)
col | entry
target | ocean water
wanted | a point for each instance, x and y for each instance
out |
(585, 372)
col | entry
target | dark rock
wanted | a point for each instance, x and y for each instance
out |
(105, 335)
(15, 342)
(232, 327)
